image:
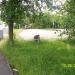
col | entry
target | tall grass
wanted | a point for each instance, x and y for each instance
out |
(44, 58)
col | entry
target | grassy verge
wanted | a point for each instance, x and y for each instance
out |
(45, 58)
(16, 31)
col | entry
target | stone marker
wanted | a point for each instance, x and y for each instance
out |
(37, 38)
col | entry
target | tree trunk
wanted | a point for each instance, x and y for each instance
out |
(11, 33)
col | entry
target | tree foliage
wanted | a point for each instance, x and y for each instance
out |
(13, 11)
(69, 19)
(41, 20)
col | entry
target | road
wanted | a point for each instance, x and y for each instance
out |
(28, 34)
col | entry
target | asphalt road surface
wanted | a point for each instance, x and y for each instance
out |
(4, 66)
(28, 34)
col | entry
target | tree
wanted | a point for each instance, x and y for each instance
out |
(12, 11)
(58, 20)
(69, 19)
(41, 20)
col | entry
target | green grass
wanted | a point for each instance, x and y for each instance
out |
(16, 31)
(45, 58)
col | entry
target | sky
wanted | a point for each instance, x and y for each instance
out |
(58, 1)
(0, 0)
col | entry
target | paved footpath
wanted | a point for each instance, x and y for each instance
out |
(4, 66)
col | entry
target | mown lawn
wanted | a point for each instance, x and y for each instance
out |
(45, 58)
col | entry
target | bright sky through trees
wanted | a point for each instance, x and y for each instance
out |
(57, 1)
